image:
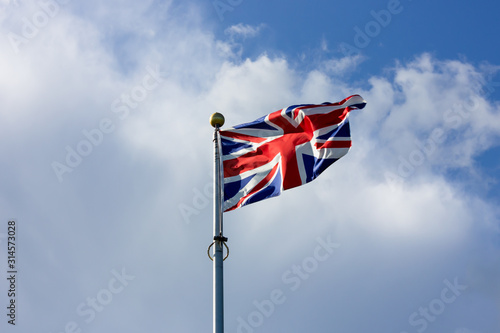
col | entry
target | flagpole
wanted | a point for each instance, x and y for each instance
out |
(217, 120)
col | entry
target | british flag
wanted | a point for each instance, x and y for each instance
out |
(284, 149)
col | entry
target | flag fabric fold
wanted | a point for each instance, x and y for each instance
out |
(285, 149)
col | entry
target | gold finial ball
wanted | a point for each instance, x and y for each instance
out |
(217, 119)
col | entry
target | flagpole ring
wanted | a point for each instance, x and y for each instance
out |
(227, 249)
(208, 251)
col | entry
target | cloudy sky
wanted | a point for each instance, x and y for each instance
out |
(107, 160)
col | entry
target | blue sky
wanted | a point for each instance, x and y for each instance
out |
(107, 162)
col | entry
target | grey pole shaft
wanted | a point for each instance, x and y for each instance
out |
(218, 239)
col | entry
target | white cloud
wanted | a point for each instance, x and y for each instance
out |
(120, 206)
(243, 31)
(338, 67)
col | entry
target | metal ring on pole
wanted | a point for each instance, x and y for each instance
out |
(227, 248)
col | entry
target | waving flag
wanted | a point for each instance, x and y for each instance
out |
(284, 149)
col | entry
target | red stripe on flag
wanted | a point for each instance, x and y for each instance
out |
(257, 187)
(334, 144)
(239, 136)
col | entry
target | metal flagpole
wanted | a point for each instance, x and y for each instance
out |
(217, 120)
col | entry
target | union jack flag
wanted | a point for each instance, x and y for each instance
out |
(284, 149)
